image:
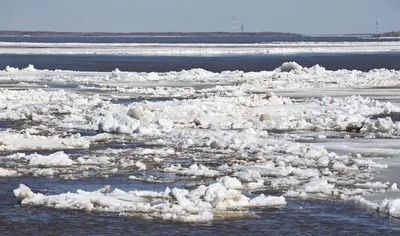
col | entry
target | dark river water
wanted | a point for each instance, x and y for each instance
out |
(297, 218)
(107, 63)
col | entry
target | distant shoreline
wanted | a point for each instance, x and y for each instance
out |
(145, 34)
(392, 34)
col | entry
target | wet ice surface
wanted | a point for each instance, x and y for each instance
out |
(222, 140)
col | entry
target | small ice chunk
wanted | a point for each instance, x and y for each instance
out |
(198, 170)
(142, 113)
(230, 183)
(55, 159)
(100, 138)
(391, 207)
(30, 68)
(317, 186)
(140, 165)
(270, 201)
(23, 192)
(105, 189)
(394, 187)
(362, 202)
(166, 124)
(290, 66)
(6, 172)
(374, 185)
(118, 123)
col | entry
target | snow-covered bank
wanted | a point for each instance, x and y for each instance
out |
(198, 49)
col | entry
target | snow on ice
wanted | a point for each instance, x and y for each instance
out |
(237, 132)
(196, 49)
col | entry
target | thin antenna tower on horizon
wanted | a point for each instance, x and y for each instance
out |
(377, 26)
(233, 24)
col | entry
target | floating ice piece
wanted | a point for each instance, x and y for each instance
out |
(318, 186)
(338, 166)
(140, 165)
(6, 172)
(198, 170)
(180, 205)
(55, 159)
(100, 138)
(230, 183)
(254, 185)
(284, 182)
(10, 141)
(383, 127)
(141, 112)
(173, 168)
(393, 187)
(391, 207)
(248, 175)
(166, 124)
(45, 172)
(269, 169)
(23, 192)
(11, 69)
(118, 123)
(30, 68)
(362, 202)
(369, 163)
(116, 73)
(289, 66)
(264, 201)
(374, 185)
(306, 173)
(105, 189)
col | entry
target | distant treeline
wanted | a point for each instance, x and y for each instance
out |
(143, 34)
(387, 34)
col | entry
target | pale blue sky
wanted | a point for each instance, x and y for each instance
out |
(297, 16)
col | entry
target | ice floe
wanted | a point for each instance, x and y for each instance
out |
(10, 141)
(196, 49)
(6, 172)
(198, 205)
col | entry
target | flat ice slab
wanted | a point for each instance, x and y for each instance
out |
(197, 49)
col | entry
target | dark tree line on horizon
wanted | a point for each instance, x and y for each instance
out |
(142, 34)
(387, 34)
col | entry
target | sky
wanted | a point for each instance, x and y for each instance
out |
(295, 16)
